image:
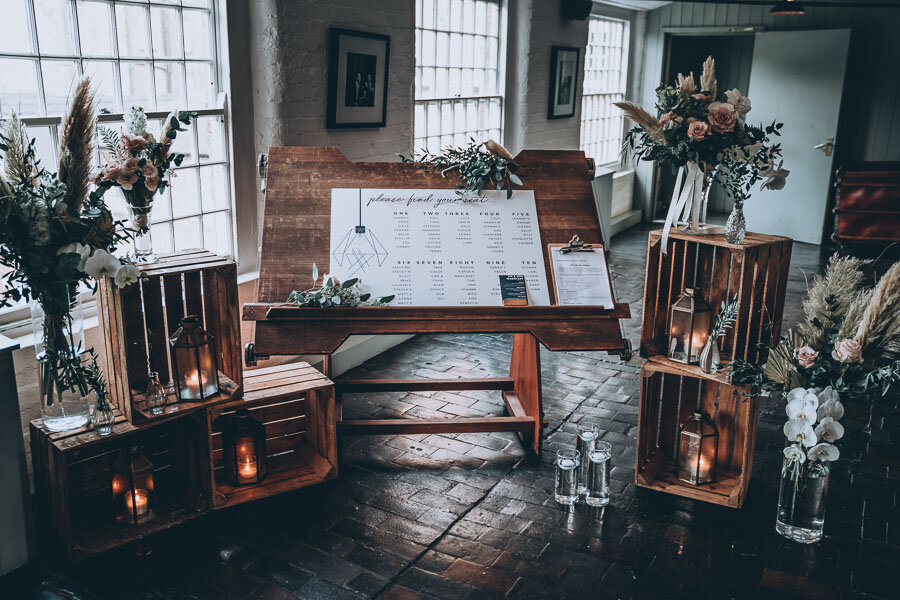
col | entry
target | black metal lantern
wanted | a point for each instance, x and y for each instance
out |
(244, 448)
(698, 449)
(134, 499)
(194, 360)
(688, 327)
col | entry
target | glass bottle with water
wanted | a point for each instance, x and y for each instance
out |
(587, 435)
(597, 482)
(567, 462)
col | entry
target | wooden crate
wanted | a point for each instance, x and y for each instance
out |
(755, 271)
(73, 482)
(140, 318)
(670, 392)
(296, 404)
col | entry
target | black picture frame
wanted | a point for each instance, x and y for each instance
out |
(563, 82)
(357, 102)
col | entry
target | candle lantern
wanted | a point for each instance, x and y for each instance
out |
(132, 488)
(688, 327)
(244, 448)
(698, 449)
(196, 369)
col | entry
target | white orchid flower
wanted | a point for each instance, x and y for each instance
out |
(828, 394)
(802, 408)
(793, 452)
(829, 430)
(102, 264)
(800, 431)
(82, 250)
(126, 275)
(831, 408)
(824, 453)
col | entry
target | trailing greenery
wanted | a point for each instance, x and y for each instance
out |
(333, 293)
(479, 166)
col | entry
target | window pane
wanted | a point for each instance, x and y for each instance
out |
(16, 37)
(43, 146)
(184, 189)
(137, 85)
(217, 233)
(103, 79)
(162, 207)
(187, 233)
(198, 42)
(132, 29)
(18, 88)
(54, 27)
(166, 28)
(95, 29)
(201, 87)
(211, 132)
(169, 85)
(59, 81)
(162, 236)
(213, 188)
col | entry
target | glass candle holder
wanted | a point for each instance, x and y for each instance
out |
(567, 461)
(597, 483)
(588, 432)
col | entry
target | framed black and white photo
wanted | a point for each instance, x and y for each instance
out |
(357, 78)
(563, 82)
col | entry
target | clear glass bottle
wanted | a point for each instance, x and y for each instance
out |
(567, 461)
(802, 497)
(142, 243)
(155, 398)
(103, 417)
(710, 357)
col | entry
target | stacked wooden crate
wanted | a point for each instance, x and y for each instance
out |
(755, 273)
(295, 402)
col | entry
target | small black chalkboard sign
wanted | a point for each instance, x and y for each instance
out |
(513, 290)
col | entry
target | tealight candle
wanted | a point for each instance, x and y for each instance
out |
(247, 469)
(139, 504)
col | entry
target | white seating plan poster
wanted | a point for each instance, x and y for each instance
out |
(435, 247)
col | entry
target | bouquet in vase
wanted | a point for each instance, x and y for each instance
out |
(704, 136)
(138, 164)
(54, 237)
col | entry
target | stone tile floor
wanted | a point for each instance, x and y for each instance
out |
(471, 516)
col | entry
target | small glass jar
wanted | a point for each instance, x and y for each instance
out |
(567, 461)
(103, 417)
(155, 398)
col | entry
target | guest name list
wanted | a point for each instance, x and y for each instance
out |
(435, 247)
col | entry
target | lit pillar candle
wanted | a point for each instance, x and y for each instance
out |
(139, 504)
(247, 469)
(193, 381)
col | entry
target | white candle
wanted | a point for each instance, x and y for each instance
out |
(139, 505)
(247, 469)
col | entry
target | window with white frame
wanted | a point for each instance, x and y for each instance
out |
(161, 55)
(605, 77)
(460, 57)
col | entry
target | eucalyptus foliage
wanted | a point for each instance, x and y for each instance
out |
(334, 293)
(478, 167)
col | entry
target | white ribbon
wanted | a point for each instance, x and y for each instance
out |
(686, 199)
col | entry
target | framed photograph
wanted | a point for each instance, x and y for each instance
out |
(563, 82)
(357, 78)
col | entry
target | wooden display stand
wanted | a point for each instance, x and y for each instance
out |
(73, 476)
(756, 272)
(296, 233)
(140, 318)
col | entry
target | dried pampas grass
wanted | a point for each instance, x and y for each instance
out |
(829, 299)
(18, 168)
(77, 146)
(686, 83)
(855, 314)
(879, 328)
(648, 122)
(708, 81)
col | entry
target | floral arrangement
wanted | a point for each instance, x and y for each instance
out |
(705, 133)
(480, 166)
(54, 237)
(334, 293)
(849, 338)
(138, 163)
(812, 428)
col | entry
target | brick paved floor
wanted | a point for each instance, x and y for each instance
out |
(469, 516)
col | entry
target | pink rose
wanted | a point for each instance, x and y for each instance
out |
(148, 170)
(721, 117)
(847, 351)
(127, 179)
(806, 356)
(668, 120)
(130, 165)
(111, 172)
(151, 183)
(697, 130)
(133, 143)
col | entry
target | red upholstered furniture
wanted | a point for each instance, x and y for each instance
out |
(867, 203)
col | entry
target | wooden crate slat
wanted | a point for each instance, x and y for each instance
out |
(133, 337)
(157, 337)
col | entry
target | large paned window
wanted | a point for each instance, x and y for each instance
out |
(161, 55)
(460, 56)
(605, 77)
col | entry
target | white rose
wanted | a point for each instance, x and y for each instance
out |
(82, 250)
(102, 264)
(126, 275)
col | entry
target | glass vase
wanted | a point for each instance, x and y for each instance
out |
(58, 326)
(710, 357)
(139, 209)
(103, 417)
(801, 500)
(702, 228)
(736, 225)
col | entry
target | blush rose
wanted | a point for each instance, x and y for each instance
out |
(698, 130)
(847, 351)
(806, 356)
(721, 117)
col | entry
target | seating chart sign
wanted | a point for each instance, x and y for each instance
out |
(435, 247)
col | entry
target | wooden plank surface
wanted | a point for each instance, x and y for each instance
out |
(448, 425)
